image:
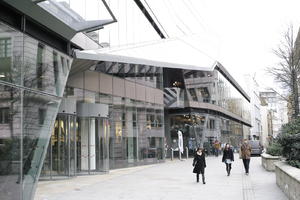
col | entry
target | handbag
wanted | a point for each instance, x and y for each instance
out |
(228, 161)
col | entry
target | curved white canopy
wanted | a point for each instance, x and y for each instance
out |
(170, 53)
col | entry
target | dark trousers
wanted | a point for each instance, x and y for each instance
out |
(228, 168)
(246, 165)
(203, 178)
(216, 151)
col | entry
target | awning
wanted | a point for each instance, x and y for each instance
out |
(170, 53)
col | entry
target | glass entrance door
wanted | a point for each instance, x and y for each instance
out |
(60, 161)
(92, 145)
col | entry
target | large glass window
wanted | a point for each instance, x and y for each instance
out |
(213, 87)
(10, 143)
(46, 69)
(26, 116)
(39, 113)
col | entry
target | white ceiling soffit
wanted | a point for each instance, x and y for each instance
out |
(169, 53)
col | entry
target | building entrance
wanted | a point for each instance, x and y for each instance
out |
(78, 145)
(92, 145)
(60, 160)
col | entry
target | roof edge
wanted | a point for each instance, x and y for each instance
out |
(235, 84)
(127, 59)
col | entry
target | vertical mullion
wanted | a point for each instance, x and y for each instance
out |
(58, 147)
(51, 156)
(69, 144)
(75, 146)
(88, 146)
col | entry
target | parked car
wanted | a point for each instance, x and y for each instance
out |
(256, 147)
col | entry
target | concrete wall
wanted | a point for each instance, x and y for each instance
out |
(288, 180)
(268, 161)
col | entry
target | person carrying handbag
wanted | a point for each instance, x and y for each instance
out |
(228, 158)
(199, 164)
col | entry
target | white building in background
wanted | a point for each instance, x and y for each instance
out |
(266, 122)
(252, 88)
(277, 108)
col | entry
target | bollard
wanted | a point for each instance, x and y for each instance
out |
(172, 154)
(187, 153)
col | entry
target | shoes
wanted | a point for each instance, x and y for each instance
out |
(204, 182)
(247, 173)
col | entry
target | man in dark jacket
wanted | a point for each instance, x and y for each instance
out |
(199, 164)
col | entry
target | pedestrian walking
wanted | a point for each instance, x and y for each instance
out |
(217, 148)
(228, 158)
(246, 155)
(199, 164)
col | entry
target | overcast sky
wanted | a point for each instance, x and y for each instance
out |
(248, 30)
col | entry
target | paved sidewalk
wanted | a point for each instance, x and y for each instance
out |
(168, 181)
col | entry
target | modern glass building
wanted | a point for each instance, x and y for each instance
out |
(206, 106)
(67, 111)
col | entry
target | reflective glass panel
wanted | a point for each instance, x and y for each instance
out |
(45, 68)
(79, 14)
(11, 54)
(39, 113)
(10, 143)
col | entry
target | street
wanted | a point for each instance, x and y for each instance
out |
(168, 181)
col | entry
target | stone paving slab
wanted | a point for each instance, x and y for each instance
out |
(168, 181)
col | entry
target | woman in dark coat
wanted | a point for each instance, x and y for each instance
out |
(199, 164)
(228, 158)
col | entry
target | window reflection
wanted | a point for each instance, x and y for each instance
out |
(142, 74)
(25, 120)
(4, 115)
(214, 88)
(5, 58)
(5, 47)
(39, 66)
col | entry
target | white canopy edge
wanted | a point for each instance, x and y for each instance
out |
(99, 56)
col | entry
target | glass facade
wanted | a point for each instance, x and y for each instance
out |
(132, 133)
(29, 101)
(206, 107)
(213, 88)
(135, 111)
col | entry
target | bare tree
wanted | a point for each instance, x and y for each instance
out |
(287, 70)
